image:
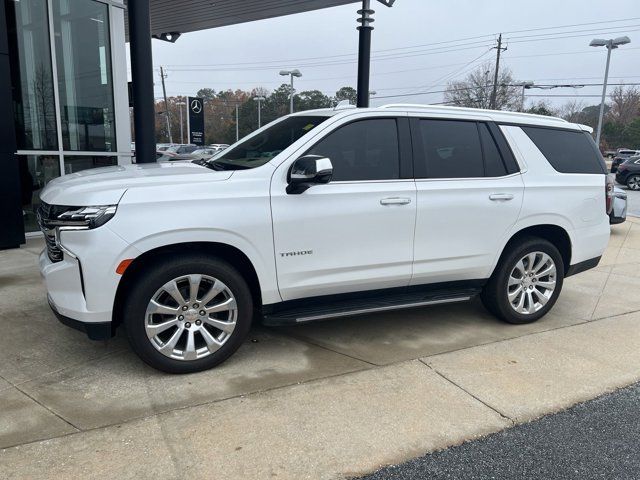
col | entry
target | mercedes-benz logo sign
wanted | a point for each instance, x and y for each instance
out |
(196, 106)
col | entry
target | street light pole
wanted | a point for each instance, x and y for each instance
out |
(259, 100)
(180, 104)
(524, 85)
(237, 122)
(292, 73)
(610, 45)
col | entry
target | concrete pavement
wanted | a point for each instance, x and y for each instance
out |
(323, 400)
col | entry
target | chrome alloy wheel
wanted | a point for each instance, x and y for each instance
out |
(634, 182)
(191, 317)
(531, 283)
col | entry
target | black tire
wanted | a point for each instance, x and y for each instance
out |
(494, 295)
(163, 271)
(633, 182)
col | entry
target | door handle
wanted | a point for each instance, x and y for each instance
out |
(496, 197)
(395, 201)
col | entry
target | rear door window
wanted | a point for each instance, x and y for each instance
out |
(451, 149)
(493, 162)
(568, 151)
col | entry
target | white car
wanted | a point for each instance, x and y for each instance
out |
(321, 214)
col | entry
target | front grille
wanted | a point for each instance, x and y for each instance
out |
(48, 212)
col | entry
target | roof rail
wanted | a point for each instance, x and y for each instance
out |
(451, 108)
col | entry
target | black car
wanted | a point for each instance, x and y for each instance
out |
(628, 173)
(621, 157)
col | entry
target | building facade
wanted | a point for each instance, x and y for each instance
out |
(69, 100)
(64, 96)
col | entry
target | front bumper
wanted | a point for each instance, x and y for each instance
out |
(82, 285)
(94, 330)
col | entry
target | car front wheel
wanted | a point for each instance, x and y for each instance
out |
(188, 314)
(526, 282)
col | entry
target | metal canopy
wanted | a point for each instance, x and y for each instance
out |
(182, 16)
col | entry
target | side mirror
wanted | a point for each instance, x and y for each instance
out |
(308, 171)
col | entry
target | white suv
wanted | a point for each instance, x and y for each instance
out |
(323, 214)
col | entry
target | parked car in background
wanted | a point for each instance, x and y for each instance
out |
(621, 157)
(162, 147)
(181, 149)
(619, 209)
(204, 153)
(628, 173)
(326, 213)
(218, 146)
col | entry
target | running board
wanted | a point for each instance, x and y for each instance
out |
(322, 308)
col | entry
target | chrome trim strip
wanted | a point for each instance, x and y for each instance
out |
(381, 309)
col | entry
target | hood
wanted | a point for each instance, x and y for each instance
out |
(106, 185)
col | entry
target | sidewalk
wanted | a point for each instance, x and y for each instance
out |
(324, 400)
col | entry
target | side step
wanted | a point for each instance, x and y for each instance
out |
(322, 308)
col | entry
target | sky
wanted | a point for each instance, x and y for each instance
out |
(417, 46)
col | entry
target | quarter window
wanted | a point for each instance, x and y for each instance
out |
(362, 150)
(568, 151)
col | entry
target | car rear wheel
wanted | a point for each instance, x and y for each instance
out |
(526, 282)
(188, 314)
(633, 182)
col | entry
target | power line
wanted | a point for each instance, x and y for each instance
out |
(442, 49)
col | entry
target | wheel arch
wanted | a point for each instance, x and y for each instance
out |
(555, 234)
(233, 255)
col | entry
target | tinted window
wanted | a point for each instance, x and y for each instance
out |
(567, 151)
(363, 150)
(493, 161)
(451, 150)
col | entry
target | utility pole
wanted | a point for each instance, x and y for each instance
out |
(494, 91)
(166, 104)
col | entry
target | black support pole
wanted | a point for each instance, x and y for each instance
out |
(12, 177)
(364, 52)
(142, 79)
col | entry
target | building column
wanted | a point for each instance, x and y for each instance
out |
(12, 225)
(142, 81)
(364, 53)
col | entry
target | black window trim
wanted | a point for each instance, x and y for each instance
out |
(405, 157)
(507, 156)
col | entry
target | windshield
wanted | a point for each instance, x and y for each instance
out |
(259, 149)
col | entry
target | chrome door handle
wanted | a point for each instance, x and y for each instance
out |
(496, 197)
(395, 201)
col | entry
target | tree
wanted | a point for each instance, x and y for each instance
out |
(542, 108)
(475, 90)
(625, 104)
(572, 111)
(347, 93)
(310, 99)
(207, 94)
(632, 133)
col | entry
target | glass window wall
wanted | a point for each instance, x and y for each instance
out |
(32, 77)
(83, 60)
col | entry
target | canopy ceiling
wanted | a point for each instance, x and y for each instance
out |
(184, 16)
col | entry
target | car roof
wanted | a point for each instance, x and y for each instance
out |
(498, 116)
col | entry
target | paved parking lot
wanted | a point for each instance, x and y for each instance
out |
(323, 400)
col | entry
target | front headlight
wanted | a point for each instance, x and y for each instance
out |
(81, 218)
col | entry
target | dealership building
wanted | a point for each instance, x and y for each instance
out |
(64, 91)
